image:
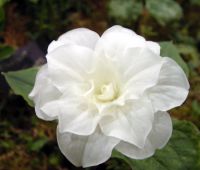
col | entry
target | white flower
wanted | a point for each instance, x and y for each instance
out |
(108, 92)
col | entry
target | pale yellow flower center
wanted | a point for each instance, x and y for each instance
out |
(106, 93)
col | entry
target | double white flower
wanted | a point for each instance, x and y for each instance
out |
(108, 92)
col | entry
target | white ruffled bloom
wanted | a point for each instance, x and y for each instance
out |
(108, 92)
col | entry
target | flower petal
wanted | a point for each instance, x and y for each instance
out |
(172, 87)
(69, 65)
(157, 139)
(153, 46)
(161, 131)
(131, 123)
(141, 69)
(116, 40)
(135, 152)
(80, 36)
(44, 93)
(55, 44)
(78, 118)
(136, 60)
(86, 150)
(75, 115)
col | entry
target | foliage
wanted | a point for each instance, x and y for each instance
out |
(127, 11)
(49, 17)
(37, 145)
(195, 2)
(169, 50)
(2, 13)
(5, 52)
(164, 11)
(2, 17)
(22, 82)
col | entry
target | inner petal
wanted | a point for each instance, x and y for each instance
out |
(107, 92)
(106, 81)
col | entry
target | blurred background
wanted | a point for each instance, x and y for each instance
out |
(28, 26)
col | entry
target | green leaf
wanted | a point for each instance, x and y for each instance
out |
(181, 153)
(22, 82)
(36, 145)
(195, 2)
(5, 52)
(34, 1)
(196, 108)
(164, 11)
(2, 18)
(191, 52)
(2, 13)
(124, 12)
(54, 159)
(168, 49)
(2, 2)
(8, 144)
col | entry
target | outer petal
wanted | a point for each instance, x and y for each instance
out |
(117, 39)
(161, 131)
(136, 60)
(172, 87)
(75, 115)
(44, 93)
(86, 150)
(141, 68)
(69, 65)
(56, 44)
(131, 123)
(134, 152)
(158, 137)
(155, 47)
(80, 36)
